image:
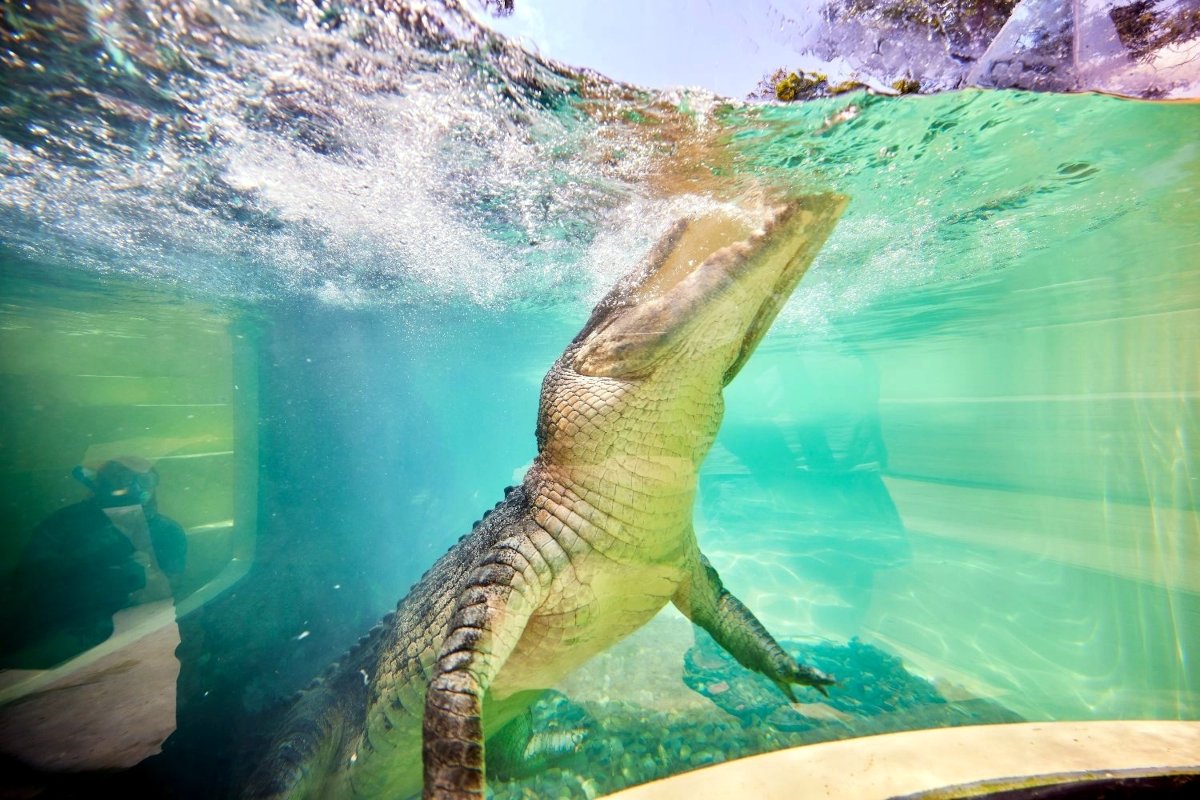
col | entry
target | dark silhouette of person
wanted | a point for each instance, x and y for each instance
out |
(89, 560)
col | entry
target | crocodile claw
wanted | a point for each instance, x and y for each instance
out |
(803, 676)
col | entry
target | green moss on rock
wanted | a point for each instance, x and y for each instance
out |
(801, 85)
(845, 86)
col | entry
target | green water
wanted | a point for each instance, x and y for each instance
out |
(968, 443)
(1035, 390)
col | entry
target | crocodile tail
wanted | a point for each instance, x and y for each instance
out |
(305, 753)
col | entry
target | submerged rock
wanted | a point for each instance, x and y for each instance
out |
(632, 743)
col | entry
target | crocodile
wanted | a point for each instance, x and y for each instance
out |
(595, 540)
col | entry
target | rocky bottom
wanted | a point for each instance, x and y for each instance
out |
(589, 748)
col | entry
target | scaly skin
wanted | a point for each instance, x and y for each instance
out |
(592, 544)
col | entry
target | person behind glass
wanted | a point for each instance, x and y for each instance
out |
(89, 560)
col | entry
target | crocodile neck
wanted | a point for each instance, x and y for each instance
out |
(614, 468)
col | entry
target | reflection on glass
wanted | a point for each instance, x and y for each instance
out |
(119, 504)
(89, 560)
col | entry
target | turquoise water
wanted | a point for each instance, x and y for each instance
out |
(319, 287)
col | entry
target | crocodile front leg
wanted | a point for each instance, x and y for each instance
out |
(705, 601)
(501, 595)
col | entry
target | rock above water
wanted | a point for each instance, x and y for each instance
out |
(1139, 48)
